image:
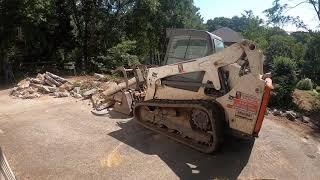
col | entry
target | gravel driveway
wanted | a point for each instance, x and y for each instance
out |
(51, 138)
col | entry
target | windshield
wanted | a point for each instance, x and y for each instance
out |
(186, 47)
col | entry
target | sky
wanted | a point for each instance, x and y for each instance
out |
(210, 9)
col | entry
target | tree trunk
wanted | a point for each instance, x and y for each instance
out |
(85, 47)
(114, 89)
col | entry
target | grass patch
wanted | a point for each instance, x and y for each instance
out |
(307, 100)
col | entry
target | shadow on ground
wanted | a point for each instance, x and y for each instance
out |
(185, 162)
(5, 87)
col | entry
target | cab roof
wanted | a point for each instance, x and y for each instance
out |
(177, 31)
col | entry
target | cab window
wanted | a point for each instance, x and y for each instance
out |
(186, 47)
(219, 46)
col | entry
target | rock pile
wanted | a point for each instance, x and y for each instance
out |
(46, 83)
(53, 85)
(290, 115)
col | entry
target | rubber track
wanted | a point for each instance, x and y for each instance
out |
(210, 107)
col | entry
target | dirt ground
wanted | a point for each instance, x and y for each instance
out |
(51, 138)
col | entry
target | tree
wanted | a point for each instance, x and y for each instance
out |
(219, 22)
(249, 25)
(311, 66)
(277, 14)
(279, 46)
(284, 78)
(149, 19)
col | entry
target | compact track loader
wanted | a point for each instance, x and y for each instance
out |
(202, 90)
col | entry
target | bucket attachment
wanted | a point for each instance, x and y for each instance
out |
(123, 102)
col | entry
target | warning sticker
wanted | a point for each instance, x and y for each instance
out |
(246, 102)
(244, 114)
(245, 105)
(180, 68)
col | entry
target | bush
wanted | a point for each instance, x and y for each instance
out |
(284, 78)
(123, 54)
(305, 84)
(318, 89)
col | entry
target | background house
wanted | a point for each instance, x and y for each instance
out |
(228, 35)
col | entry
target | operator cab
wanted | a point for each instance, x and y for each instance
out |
(188, 44)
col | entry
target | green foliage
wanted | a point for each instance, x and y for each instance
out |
(107, 34)
(149, 19)
(305, 84)
(279, 46)
(219, 22)
(284, 78)
(249, 25)
(318, 89)
(120, 55)
(277, 15)
(311, 66)
(87, 31)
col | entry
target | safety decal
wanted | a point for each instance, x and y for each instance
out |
(180, 68)
(245, 105)
(246, 102)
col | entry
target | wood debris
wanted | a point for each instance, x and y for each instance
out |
(101, 93)
(46, 83)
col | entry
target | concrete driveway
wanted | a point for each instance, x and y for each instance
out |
(50, 138)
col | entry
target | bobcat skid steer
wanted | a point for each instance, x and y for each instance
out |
(202, 90)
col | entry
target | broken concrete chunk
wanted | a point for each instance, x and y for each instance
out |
(291, 115)
(13, 91)
(56, 78)
(76, 95)
(23, 84)
(67, 86)
(42, 88)
(52, 88)
(36, 81)
(40, 76)
(76, 90)
(30, 96)
(89, 93)
(61, 94)
(276, 112)
(52, 81)
(97, 100)
(46, 81)
(305, 119)
(292, 112)
(31, 90)
(99, 76)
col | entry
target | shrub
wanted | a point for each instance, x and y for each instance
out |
(284, 78)
(305, 84)
(123, 54)
(318, 89)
